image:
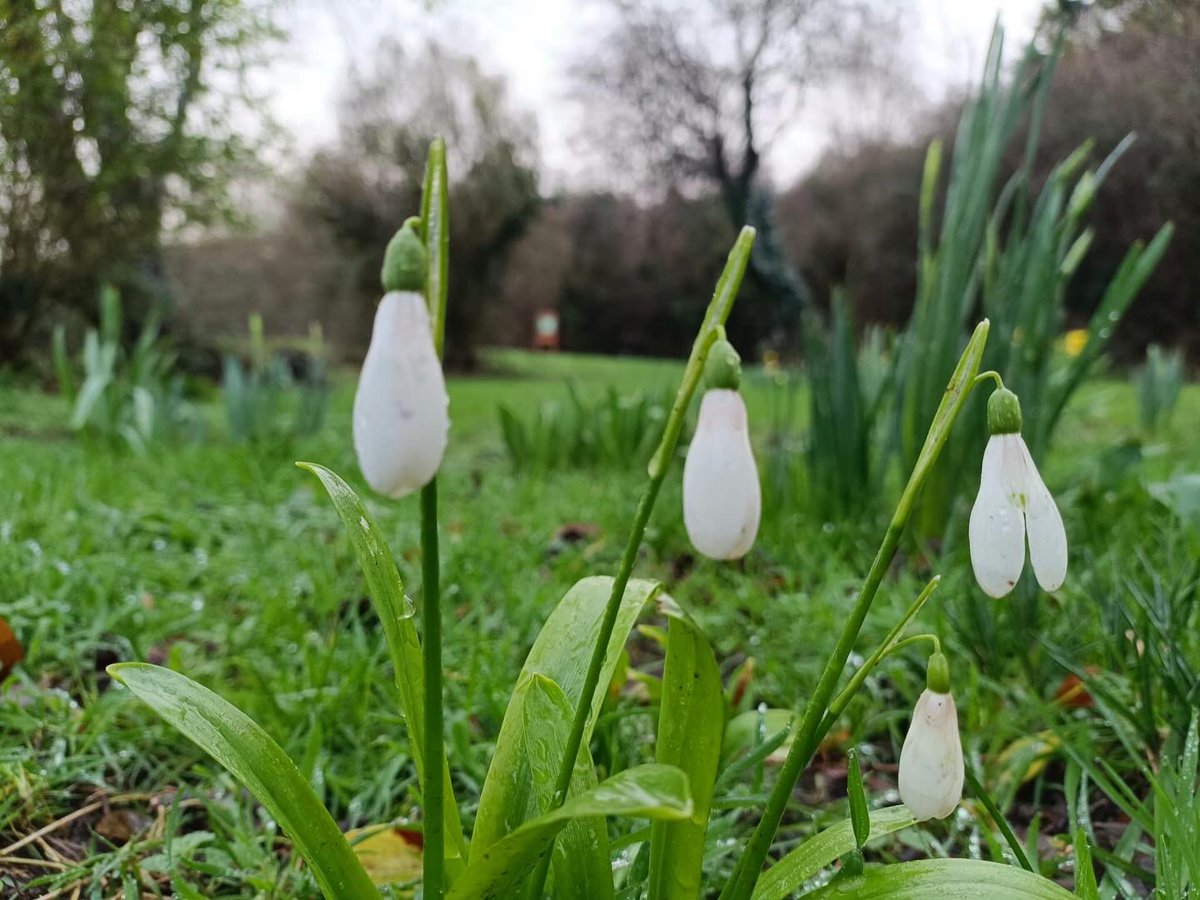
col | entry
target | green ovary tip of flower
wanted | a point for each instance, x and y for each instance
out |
(937, 675)
(1004, 412)
(723, 369)
(405, 262)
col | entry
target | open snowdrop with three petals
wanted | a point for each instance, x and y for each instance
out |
(722, 500)
(1013, 505)
(401, 408)
(931, 760)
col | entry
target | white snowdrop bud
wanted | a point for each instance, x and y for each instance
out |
(931, 761)
(722, 500)
(1013, 504)
(401, 415)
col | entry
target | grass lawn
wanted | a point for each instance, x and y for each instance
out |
(230, 565)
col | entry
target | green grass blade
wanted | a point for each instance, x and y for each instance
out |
(653, 791)
(962, 879)
(395, 613)
(237, 742)
(560, 653)
(790, 873)
(691, 724)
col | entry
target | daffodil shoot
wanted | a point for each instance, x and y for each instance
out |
(722, 499)
(401, 408)
(1013, 506)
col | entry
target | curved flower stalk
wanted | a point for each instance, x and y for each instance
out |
(401, 408)
(931, 761)
(722, 499)
(1013, 504)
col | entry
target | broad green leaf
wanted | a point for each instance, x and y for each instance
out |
(561, 653)
(930, 879)
(395, 613)
(235, 741)
(691, 724)
(790, 873)
(581, 861)
(498, 870)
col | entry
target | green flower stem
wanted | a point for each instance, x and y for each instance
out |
(746, 873)
(435, 228)
(431, 641)
(714, 319)
(886, 648)
(992, 374)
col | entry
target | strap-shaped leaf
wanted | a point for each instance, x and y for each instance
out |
(395, 613)
(943, 879)
(819, 851)
(653, 791)
(561, 653)
(582, 858)
(238, 743)
(691, 723)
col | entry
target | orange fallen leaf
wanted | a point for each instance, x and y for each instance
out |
(11, 651)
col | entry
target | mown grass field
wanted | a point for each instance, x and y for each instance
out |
(228, 563)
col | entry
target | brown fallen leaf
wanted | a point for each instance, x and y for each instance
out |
(120, 825)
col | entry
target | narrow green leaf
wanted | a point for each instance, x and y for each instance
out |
(1085, 874)
(691, 724)
(960, 879)
(395, 613)
(581, 862)
(789, 874)
(237, 742)
(561, 653)
(653, 791)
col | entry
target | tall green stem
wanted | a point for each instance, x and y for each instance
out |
(431, 641)
(435, 225)
(714, 319)
(745, 874)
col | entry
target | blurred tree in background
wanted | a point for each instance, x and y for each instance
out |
(694, 94)
(117, 119)
(364, 188)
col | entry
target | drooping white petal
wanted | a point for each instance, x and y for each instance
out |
(931, 761)
(1044, 526)
(401, 416)
(997, 527)
(722, 500)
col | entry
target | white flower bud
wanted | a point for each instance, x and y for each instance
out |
(722, 500)
(401, 414)
(931, 761)
(1013, 502)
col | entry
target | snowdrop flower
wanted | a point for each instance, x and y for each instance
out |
(401, 414)
(931, 761)
(1012, 503)
(722, 500)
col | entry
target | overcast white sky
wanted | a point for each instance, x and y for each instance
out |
(532, 43)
